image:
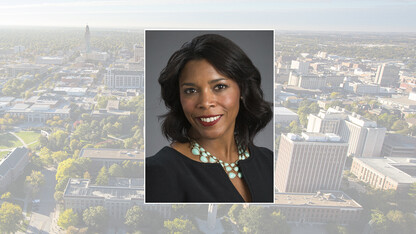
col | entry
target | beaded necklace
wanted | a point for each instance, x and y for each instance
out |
(231, 169)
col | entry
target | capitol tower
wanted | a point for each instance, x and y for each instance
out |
(87, 39)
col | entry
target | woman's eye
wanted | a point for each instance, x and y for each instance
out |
(220, 86)
(189, 91)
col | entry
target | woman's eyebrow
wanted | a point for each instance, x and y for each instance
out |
(210, 82)
(188, 84)
(216, 80)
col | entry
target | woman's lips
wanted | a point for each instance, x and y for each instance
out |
(210, 120)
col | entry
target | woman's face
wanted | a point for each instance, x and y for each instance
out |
(209, 100)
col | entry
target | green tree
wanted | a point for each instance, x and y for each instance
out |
(251, 219)
(379, 220)
(102, 177)
(294, 127)
(45, 156)
(180, 226)
(116, 171)
(95, 217)
(10, 217)
(412, 191)
(34, 181)
(59, 156)
(400, 125)
(332, 228)
(135, 218)
(132, 169)
(61, 185)
(234, 212)
(74, 230)
(68, 218)
(6, 196)
(335, 95)
(276, 221)
(66, 169)
(59, 196)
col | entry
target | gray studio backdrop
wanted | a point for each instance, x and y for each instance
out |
(160, 45)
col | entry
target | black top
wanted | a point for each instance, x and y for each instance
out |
(173, 177)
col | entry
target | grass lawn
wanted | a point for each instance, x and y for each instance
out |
(28, 136)
(3, 154)
(7, 141)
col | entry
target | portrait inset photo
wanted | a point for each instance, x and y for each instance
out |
(209, 111)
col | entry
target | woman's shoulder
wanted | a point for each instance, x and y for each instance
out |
(261, 152)
(165, 157)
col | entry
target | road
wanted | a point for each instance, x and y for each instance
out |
(42, 216)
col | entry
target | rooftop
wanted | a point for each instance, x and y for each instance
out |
(279, 110)
(11, 160)
(315, 137)
(402, 141)
(334, 199)
(393, 167)
(122, 189)
(122, 154)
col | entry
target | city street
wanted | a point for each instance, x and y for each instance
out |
(43, 213)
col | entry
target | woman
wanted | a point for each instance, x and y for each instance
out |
(216, 107)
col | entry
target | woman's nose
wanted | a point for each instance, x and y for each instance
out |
(206, 99)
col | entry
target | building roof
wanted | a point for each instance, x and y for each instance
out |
(6, 99)
(123, 189)
(392, 167)
(121, 154)
(328, 199)
(316, 137)
(127, 72)
(279, 110)
(398, 140)
(12, 159)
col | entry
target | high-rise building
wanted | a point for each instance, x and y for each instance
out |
(138, 53)
(365, 139)
(326, 121)
(311, 162)
(387, 75)
(87, 38)
(300, 66)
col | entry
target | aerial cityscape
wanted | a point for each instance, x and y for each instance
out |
(72, 150)
(72, 122)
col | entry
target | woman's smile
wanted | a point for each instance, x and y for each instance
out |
(209, 120)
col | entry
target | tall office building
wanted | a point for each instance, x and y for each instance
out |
(138, 53)
(311, 162)
(365, 139)
(301, 67)
(387, 75)
(326, 121)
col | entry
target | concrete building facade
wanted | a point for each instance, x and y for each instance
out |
(12, 166)
(124, 79)
(125, 193)
(386, 173)
(311, 162)
(318, 208)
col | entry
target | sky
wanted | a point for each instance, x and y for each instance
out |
(311, 15)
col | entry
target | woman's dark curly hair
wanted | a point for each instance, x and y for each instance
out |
(228, 59)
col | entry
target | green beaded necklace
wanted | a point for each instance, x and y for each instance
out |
(231, 169)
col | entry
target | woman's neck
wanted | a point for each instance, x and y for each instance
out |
(223, 148)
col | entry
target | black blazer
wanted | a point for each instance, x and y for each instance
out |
(173, 177)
